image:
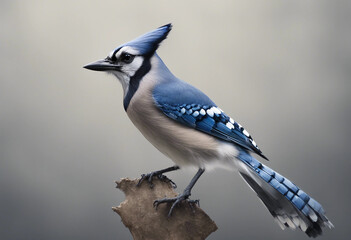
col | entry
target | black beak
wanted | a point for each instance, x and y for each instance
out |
(102, 65)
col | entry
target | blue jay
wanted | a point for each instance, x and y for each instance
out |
(188, 127)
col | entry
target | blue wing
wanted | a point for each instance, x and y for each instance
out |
(189, 106)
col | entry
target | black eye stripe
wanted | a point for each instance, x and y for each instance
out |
(123, 57)
(112, 57)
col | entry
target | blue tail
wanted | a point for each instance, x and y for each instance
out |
(290, 206)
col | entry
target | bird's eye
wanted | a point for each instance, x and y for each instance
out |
(127, 58)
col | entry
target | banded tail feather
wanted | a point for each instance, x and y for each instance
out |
(290, 206)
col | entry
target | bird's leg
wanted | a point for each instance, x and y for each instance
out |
(183, 196)
(159, 175)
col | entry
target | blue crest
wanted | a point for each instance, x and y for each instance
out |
(149, 42)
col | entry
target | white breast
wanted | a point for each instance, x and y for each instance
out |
(184, 145)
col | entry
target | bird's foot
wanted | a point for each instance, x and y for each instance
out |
(176, 200)
(160, 176)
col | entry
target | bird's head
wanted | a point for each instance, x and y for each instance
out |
(132, 59)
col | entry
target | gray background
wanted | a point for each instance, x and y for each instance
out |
(280, 68)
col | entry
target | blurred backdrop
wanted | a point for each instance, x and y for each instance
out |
(280, 68)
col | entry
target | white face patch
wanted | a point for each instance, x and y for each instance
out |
(124, 80)
(127, 70)
(131, 68)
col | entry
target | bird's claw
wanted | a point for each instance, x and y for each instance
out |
(149, 177)
(175, 201)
